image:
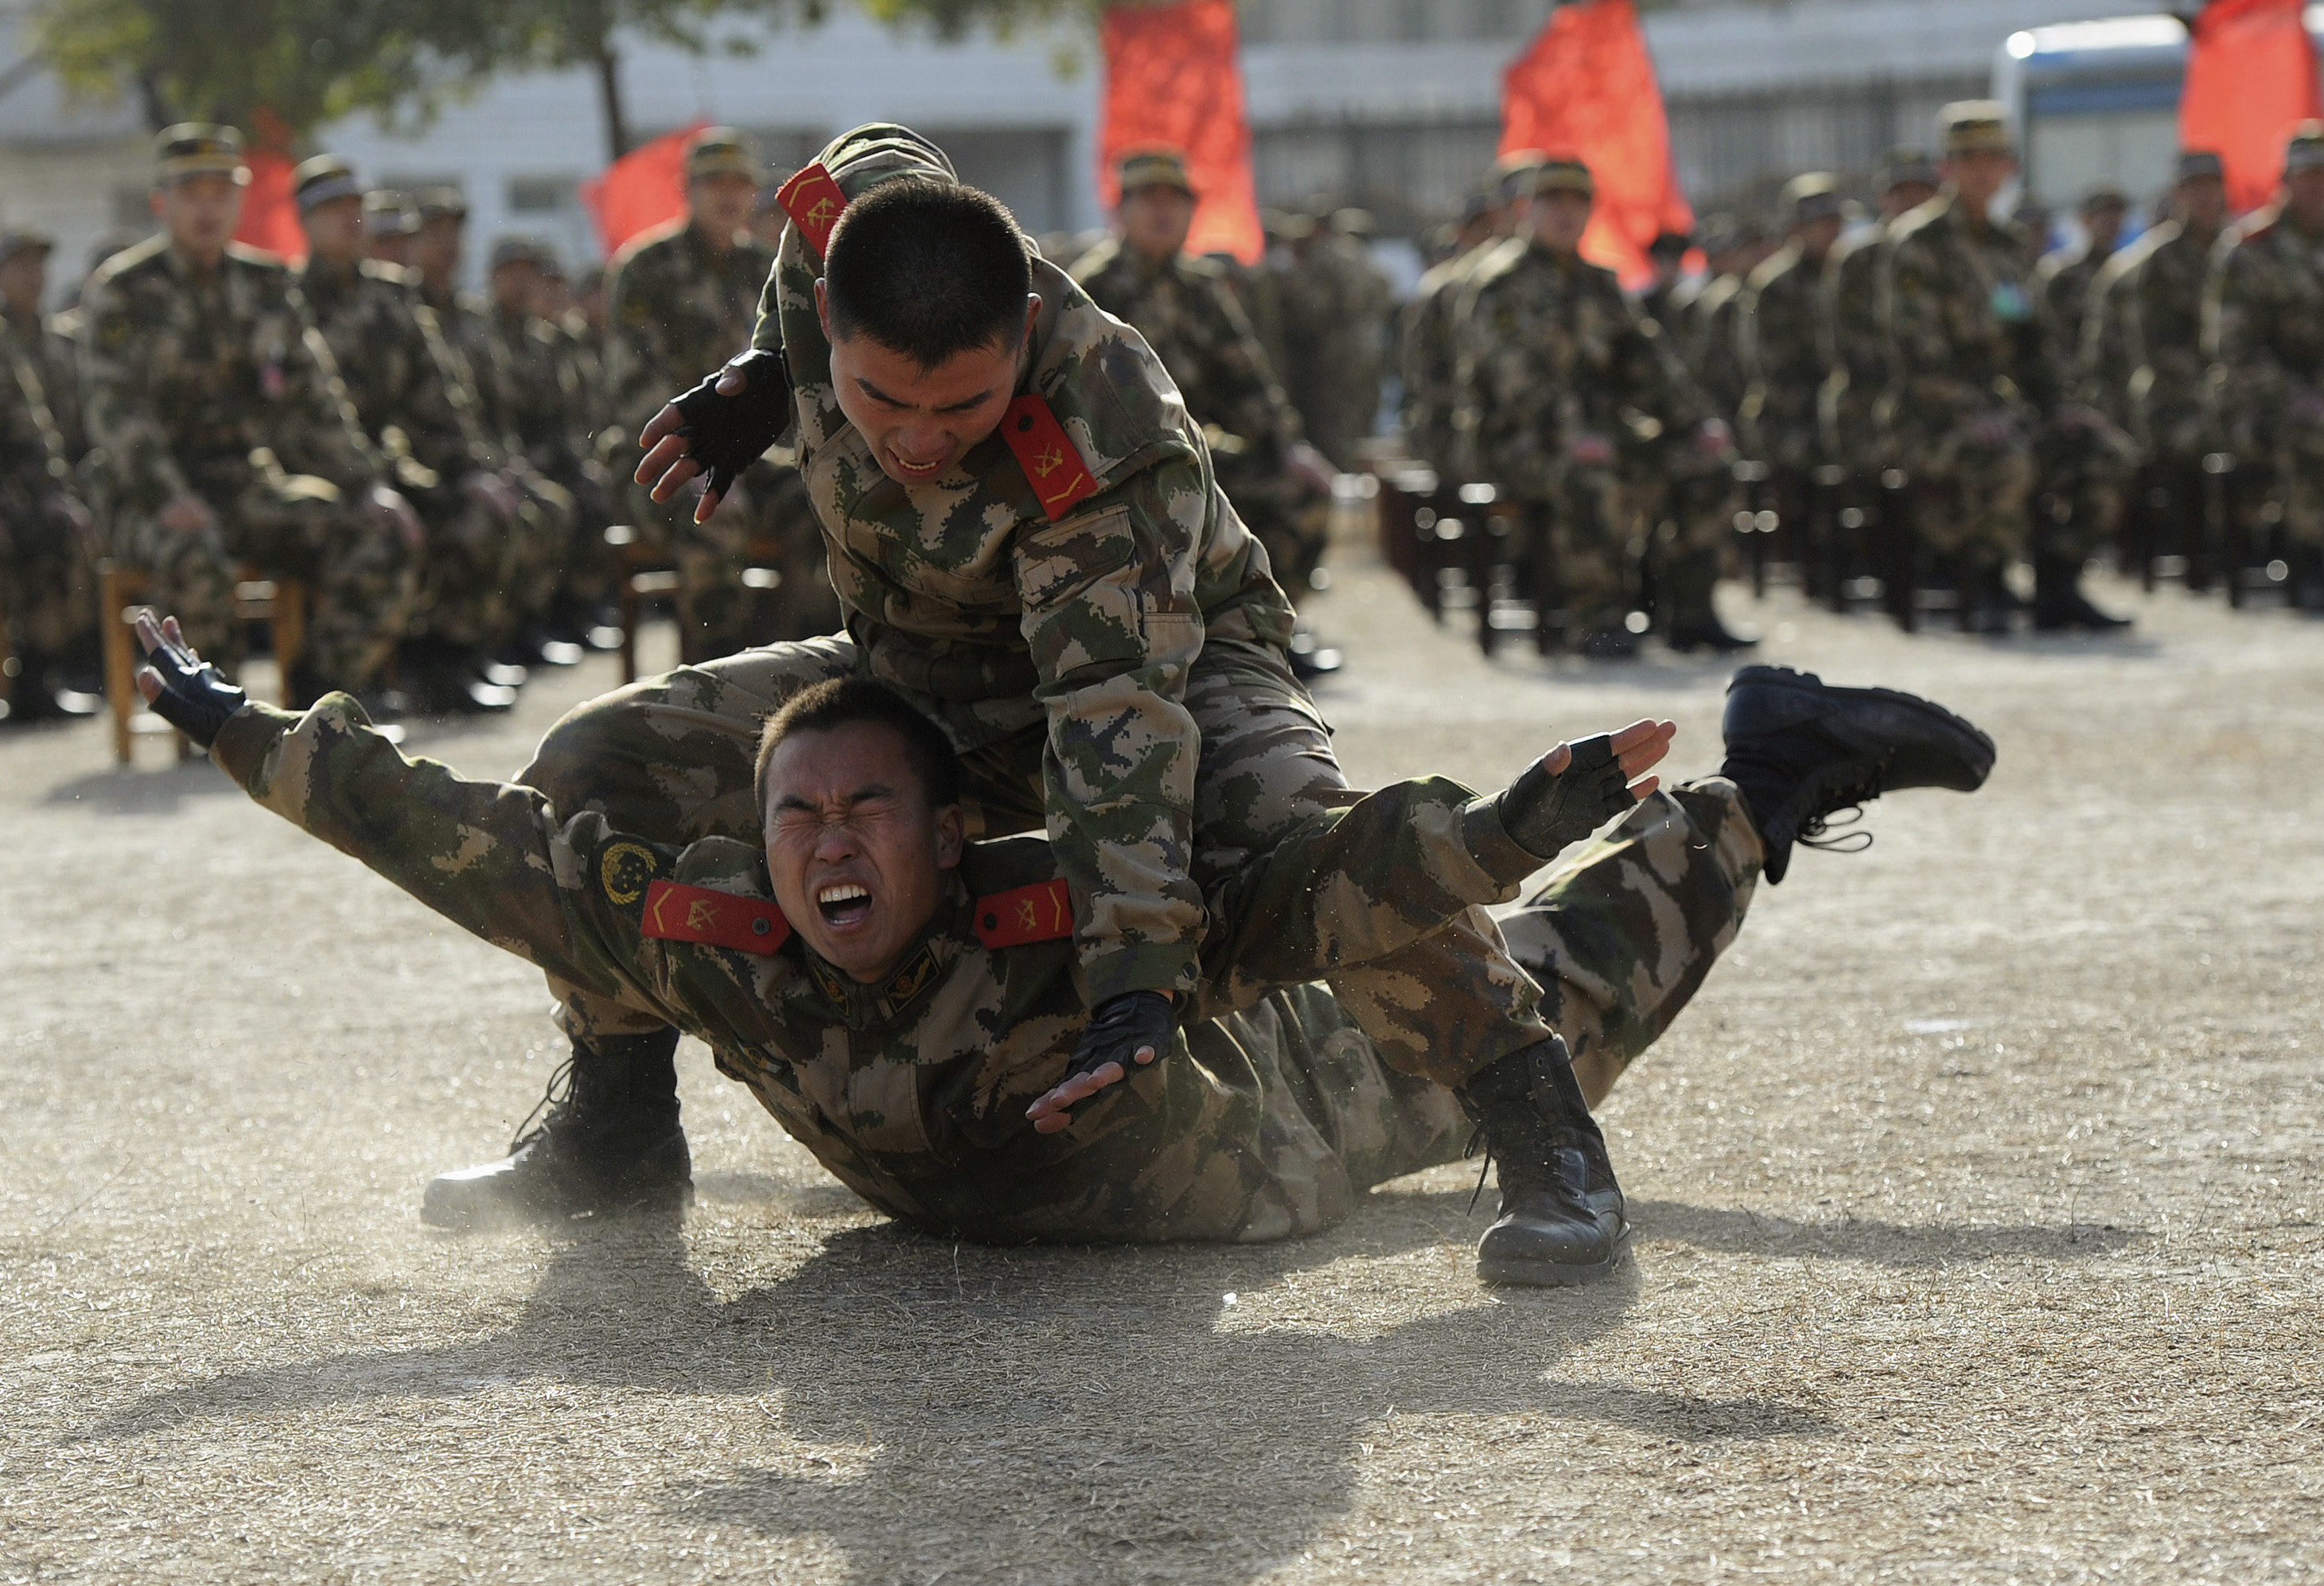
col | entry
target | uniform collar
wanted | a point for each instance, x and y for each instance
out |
(892, 998)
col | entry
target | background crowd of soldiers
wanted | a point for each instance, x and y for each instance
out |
(1908, 408)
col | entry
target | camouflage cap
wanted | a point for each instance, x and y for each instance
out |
(390, 212)
(324, 178)
(1900, 167)
(1972, 126)
(720, 151)
(1564, 174)
(521, 250)
(442, 202)
(1512, 173)
(24, 239)
(199, 148)
(1153, 167)
(1812, 195)
(2198, 165)
(2304, 150)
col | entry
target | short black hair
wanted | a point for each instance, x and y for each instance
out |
(838, 702)
(928, 269)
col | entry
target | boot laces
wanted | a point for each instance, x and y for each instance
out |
(1843, 806)
(556, 1101)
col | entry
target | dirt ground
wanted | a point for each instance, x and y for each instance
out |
(1978, 1200)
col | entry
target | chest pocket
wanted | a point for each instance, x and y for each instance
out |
(873, 1095)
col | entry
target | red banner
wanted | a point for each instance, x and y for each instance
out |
(642, 188)
(2251, 77)
(1172, 78)
(1586, 89)
(270, 215)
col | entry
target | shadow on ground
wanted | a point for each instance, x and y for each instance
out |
(1884, 1244)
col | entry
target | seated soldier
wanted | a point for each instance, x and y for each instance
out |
(906, 1003)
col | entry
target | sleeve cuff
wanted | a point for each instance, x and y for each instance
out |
(241, 746)
(1157, 967)
(1499, 855)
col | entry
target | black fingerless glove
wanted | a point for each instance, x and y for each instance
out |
(1545, 812)
(1117, 1027)
(727, 434)
(194, 699)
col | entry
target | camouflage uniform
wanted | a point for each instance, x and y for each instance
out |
(2264, 328)
(1335, 312)
(46, 591)
(548, 385)
(1272, 1112)
(215, 383)
(1852, 338)
(2084, 456)
(50, 350)
(1783, 360)
(1965, 331)
(1552, 351)
(2143, 361)
(1429, 363)
(1185, 314)
(1115, 673)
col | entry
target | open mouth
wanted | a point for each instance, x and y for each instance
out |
(910, 469)
(844, 904)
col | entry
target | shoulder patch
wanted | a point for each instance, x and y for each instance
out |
(813, 201)
(1042, 912)
(1052, 463)
(676, 913)
(623, 869)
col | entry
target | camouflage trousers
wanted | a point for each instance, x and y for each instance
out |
(1972, 490)
(767, 518)
(1689, 521)
(1577, 540)
(1290, 1111)
(47, 588)
(2084, 469)
(472, 566)
(362, 579)
(670, 758)
(2299, 468)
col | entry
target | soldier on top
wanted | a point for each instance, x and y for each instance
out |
(1181, 305)
(227, 436)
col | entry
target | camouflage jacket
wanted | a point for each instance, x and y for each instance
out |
(1782, 359)
(1965, 326)
(913, 1090)
(543, 398)
(1711, 347)
(185, 373)
(1002, 618)
(2066, 281)
(49, 349)
(32, 467)
(2141, 360)
(675, 310)
(1198, 330)
(1428, 360)
(2263, 327)
(408, 389)
(1854, 344)
(1552, 350)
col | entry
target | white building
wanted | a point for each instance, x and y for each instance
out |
(1390, 104)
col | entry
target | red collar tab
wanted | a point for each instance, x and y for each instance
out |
(1051, 461)
(674, 913)
(813, 201)
(1042, 912)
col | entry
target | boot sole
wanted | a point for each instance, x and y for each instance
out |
(1808, 683)
(1507, 1271)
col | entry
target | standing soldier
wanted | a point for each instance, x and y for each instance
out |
(1972, 365)
(1335, 312)
(2064, 278)
(1854, 336)
(1557, 370)
(52, 553)
(226, 433)
(681, 297)
(1429, 356)
(2263, 327)
(1784, 363)
(422, 416)
(2142, 361)
(1708, 342)
(1181, 305)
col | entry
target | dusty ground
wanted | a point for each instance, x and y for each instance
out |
(1978, 1195)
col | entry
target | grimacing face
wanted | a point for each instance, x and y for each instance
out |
(921, 423)
(856, 852)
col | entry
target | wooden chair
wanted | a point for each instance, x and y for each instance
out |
(122, 592)
(640, 573)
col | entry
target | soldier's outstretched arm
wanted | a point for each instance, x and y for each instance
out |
(488, 856)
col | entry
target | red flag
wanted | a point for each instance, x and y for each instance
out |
(1587, 90)
(1172, 78)
(2251, 77)
(270, 215)
(643, 188)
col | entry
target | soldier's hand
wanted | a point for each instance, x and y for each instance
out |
(184, 690)
(1133, 1029)
(391, 510)
(716, 430)
(185, 514)
(1576, 788)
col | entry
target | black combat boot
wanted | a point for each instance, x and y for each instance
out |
(608, 1140)
(1561, 1221)
(1801, 750)
(1695, 621)
(2059, 603)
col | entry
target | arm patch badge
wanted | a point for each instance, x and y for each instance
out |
(676, 913)
(1042, 912)
(1052, 463)
(813, 201)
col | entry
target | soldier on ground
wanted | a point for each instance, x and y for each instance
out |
(904, 1001)
(680, 298)
(1972, 364)
(415, 405)
(1783, 361)
(1181, 306)
(2264, 328)
(228, 437)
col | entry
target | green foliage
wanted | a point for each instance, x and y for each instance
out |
(954, 19)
